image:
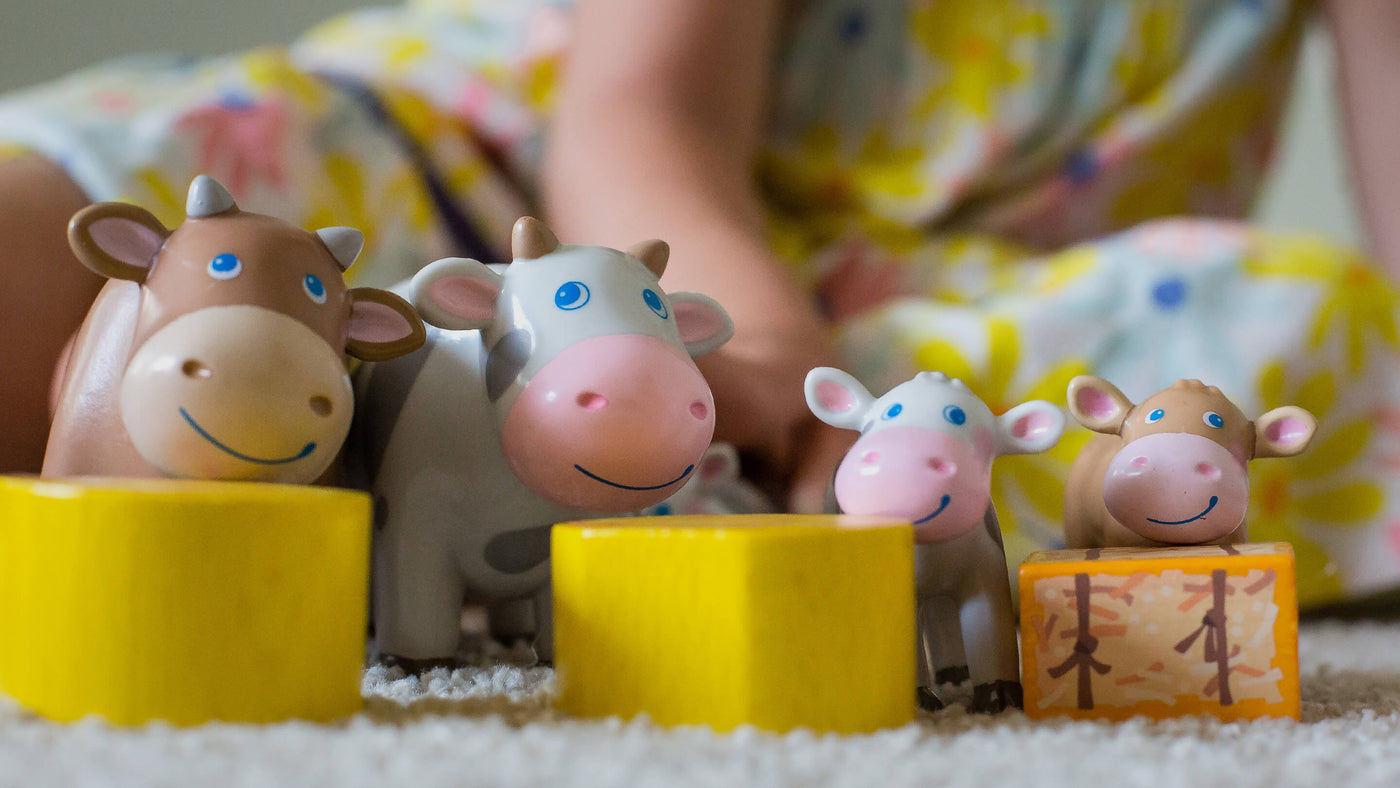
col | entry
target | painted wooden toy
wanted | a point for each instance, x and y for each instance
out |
(557, 387)
(217, 349)
(1171, 469)
(925, 454)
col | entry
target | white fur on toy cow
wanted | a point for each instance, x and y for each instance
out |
(558, 387)
(925, 454)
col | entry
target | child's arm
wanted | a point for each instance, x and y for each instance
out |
(655, 135)
(44, 295)
(1366, 37)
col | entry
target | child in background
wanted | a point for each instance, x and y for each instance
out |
(991, 188)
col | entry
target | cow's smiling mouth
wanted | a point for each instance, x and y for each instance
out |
(306, 450)
(943, 504)
(1213, 501)
(598, 478)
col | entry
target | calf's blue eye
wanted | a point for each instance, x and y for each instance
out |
(1213, 419)
(955, 415)
(225, 266)
(571, 296)
(1155, 416)
(655, 304)
(314, 287)
(892, 411)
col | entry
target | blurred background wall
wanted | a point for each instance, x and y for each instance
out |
(45, 38)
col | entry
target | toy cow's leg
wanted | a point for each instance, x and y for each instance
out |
(943, 640)
(417, 603)
(988, 621)
(926, 636)
(544, 622)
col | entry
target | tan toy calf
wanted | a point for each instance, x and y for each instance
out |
(217, 350)
(1171, 469)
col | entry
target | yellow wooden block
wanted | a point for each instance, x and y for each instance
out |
(182, 601)
(779, 621)
(1160, 632)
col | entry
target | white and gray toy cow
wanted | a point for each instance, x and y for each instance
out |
(925, 454)
(557, 387)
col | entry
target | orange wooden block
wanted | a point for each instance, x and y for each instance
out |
(1162, 632)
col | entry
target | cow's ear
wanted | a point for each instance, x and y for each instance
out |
(703, 323)
(456, 293)
(1283, 432)
(837, 398)
(117, 240)
(1029, 428)
(1097, 404)
(382, 326)
(720, 466)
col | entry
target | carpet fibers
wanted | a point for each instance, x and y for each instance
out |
(493, 725)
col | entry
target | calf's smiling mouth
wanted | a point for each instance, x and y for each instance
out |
(203, 433)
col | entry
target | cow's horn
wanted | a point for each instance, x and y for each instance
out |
(653, 255)
(530, 239)
(207, 197)
(345, 243)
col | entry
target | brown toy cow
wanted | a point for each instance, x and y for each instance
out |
(217, 350)
(1170, 470)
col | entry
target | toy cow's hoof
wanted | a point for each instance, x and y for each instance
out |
(929, 700)
(955, 675)
(996, 696)
(416, 667)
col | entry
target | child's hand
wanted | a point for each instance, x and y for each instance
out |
(757, 380)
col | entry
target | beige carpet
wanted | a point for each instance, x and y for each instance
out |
(494, 726)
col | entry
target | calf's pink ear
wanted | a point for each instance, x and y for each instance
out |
(1029, 428)
(1097, 404)
(719, 466)
(1283, 432)
(837, 398)
(382, 326)
(703, 323)
(116, 240)
(456, 293)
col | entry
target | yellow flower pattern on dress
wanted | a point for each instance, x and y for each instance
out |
(1329, 486)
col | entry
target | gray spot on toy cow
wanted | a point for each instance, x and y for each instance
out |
(514, 552)
(381, 512)
(507, 358)
(376, 416)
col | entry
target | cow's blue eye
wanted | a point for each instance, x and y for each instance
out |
(955, 415)
(1213, 419)
(1155, 416)
(314, 287)
(225, 266)
(892, 411)
(655, 304)
(571, 295)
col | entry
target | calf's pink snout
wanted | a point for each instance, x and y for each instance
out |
(1177, 488)
(612, 424)
(935, 480)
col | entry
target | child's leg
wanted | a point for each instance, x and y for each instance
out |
(45, 294)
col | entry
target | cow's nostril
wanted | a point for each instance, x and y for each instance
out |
(1139, 462)
(941, 466)
(590, 400)
(1207, 470)
(195, 370)
(699, 411)
(870, 457)
(322, 406)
